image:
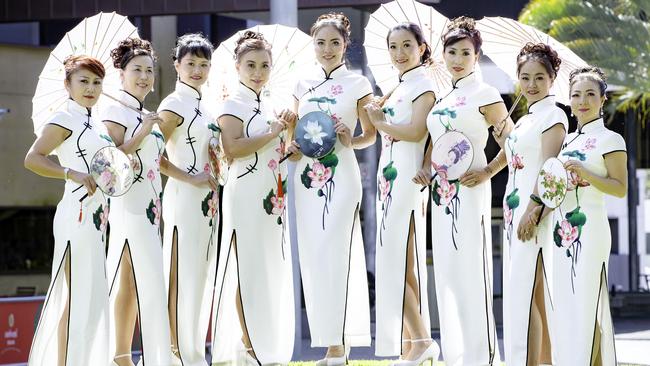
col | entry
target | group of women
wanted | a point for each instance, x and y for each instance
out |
(555, 291)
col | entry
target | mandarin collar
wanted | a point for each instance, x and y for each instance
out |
(73, 106)
(130, 99)
(465, 80)
(547, 101)
(412, 74)
(187, 90)
(592, 125)
(337, 71)
(248, 92)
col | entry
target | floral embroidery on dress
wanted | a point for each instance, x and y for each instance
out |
(320, 176)
(566, 234)
(154, 209)
(445, 192)
(100, 218)
(511, 201)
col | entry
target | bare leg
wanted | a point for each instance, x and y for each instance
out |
(412, 319)
(240, 312)
(596, 357)
(406, 341)
(539, 350)
(125, 311)
(173, 294)
(62, 336)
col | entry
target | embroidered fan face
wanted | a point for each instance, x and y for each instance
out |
(404, 50)
(460, 58)
(254, 69)
(534, 81)
(84, 87)
(138, 76)
(193, 70)
(329, 46)
(586, 101)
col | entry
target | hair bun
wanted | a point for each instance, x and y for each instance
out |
(336, 17)
(542, 50)
(129, 48)
(462, 22)
(595, 70)
(250, 35)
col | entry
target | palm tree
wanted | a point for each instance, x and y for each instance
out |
(615, 35)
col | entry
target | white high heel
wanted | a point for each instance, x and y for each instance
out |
(121, 356)
(335, 361)
(430, 353)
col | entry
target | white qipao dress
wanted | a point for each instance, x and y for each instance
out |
(524, 154)
(582, 239)
(79, 235)
(401, 208)
(462, 239)
(255, 250)
(191, 214)
(328, 195)
(135, 220)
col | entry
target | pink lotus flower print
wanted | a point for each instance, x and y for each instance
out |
(213, 205)
(336, 90)
(590, 144)
(157, 210)
(517, 162)
(460, 101)
(319, 175)
(273, 165)
(507, 214)
(151, 175)
(103, 219)
(568, 233)
(278, 205)
(206, 168)
(446, 191)
(384, 188)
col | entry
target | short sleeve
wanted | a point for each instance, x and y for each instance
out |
(555, 116)
(364, 88)
(112, 112)
(298, 90)
(422, 87)
(613, 143)
(171, 104)
(61, 119)
(230, 108)
(489, 95)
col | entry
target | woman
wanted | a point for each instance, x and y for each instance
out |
(190, 202)
(596, 160)
(537, 136)
(255, 243)
(73, 327)
(328, 195)
(401, 268)
(463, 258)
(134, 262)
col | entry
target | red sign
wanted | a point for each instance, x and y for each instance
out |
(18, 317)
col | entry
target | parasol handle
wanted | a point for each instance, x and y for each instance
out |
(285, 158)
(514, 105)
(142, 112)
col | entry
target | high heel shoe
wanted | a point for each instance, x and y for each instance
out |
(120, 356)
(335, 361)
(430, 353)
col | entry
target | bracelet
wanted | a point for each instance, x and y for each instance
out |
(65, 173)
(535, 198)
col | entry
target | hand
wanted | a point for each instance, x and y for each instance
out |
(204, 180)
(474, 177)
(422, 177)
(150, 119)
(501, 131)
(289, 117)
(294, 150)
(576, 167)
(344, 134)
(527, 228)
(85, 179)
(277, 127)
(375, 113)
